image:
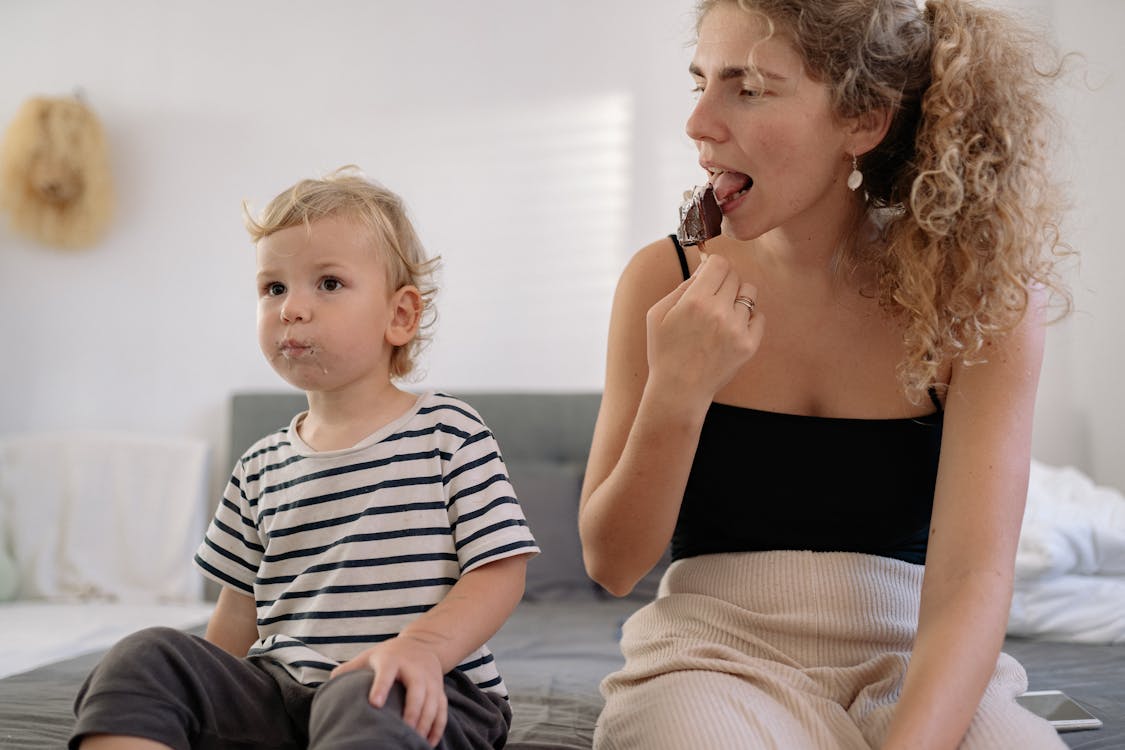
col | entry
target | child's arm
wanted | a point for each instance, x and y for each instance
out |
(469, 614)
(233, 626)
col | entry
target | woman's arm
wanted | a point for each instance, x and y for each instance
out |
(978, 509)
(668, 353)
(233, 626)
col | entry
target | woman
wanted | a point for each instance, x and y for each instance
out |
(828, 413)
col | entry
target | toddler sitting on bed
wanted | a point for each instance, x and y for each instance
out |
(366, 552)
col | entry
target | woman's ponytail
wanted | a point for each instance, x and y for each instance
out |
(979, 204)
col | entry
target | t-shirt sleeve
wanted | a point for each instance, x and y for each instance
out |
(232, 550)
(487, 521)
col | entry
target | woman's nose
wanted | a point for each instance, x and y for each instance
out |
(705, 123)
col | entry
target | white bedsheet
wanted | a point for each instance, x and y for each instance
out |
(37, 633)
(1070, 565)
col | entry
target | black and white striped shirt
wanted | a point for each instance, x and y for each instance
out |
(342, 549)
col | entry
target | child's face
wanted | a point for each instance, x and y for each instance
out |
(324, 308)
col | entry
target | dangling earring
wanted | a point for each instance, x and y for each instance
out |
(855, 179)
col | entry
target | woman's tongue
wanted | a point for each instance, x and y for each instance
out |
(729, 184)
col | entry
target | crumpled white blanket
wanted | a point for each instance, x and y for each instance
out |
(1070, 564)
(103, 516)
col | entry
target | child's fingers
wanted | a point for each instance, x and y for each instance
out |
(438, 730)
(431, 723)
(413, 706)
(357, 662)
(381, 686)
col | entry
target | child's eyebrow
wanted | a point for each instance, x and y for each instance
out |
(326, 266)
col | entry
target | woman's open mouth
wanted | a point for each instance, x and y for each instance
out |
(729, 185)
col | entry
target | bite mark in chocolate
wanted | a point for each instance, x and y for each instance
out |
(700, 216)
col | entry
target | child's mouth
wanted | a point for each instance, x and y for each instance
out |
(294, 349)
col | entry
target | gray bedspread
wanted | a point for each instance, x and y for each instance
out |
(553, 654)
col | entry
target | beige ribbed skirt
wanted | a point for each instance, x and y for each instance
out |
(787, 650)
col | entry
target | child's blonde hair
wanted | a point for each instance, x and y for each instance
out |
(347, 193)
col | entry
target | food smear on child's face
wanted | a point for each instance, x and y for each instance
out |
(293, 350)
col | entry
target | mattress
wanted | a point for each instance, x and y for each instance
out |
(553, 655)
(37, 633)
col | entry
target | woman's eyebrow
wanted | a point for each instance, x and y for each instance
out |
(736, 72)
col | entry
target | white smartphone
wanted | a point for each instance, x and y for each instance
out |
(1058, 708)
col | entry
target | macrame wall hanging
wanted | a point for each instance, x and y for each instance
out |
(55, 182)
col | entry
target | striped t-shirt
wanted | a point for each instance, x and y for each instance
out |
(342, 549)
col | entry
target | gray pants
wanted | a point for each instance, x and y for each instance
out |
(182, 691)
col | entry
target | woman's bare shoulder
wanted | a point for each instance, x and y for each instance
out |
(655, 270)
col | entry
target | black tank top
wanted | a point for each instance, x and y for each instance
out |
(769, 481)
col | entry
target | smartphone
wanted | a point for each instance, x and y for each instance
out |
(1058, 708)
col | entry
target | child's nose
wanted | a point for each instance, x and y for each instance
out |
(294, 309)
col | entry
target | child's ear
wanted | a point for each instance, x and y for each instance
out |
(868, 130)
(406, 315)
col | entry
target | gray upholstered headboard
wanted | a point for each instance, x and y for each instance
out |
(529, 425)
(545, 440)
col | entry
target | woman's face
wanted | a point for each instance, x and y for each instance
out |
(765, 131)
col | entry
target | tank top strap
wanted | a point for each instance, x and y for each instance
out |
(932, 391)
(681, 255)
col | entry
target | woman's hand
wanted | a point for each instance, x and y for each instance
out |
(415, 664)
(699, 336)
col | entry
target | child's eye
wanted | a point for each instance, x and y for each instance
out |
(751, 93)
(331, 284)
(274, 289)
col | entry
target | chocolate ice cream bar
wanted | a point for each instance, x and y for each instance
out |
(700, 216)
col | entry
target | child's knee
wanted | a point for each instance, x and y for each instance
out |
(142, 656)
(343, 717)
(159, 639)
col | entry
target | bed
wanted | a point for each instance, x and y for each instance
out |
(563, 637)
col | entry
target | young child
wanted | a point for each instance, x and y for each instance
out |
(366, 552)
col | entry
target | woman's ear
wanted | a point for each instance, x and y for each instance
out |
(868, 130)
(406, 315)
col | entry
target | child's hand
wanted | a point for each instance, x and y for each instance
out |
(412, 662)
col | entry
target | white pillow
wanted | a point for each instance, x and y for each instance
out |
(104, 516)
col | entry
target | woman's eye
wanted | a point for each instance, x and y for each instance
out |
(275, 289)
(752, 93)
(330, 285)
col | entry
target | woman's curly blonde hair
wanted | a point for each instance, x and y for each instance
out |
(962, 181)
(347, 193)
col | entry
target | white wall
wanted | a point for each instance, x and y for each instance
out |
(1091, 344)
(537, 144)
